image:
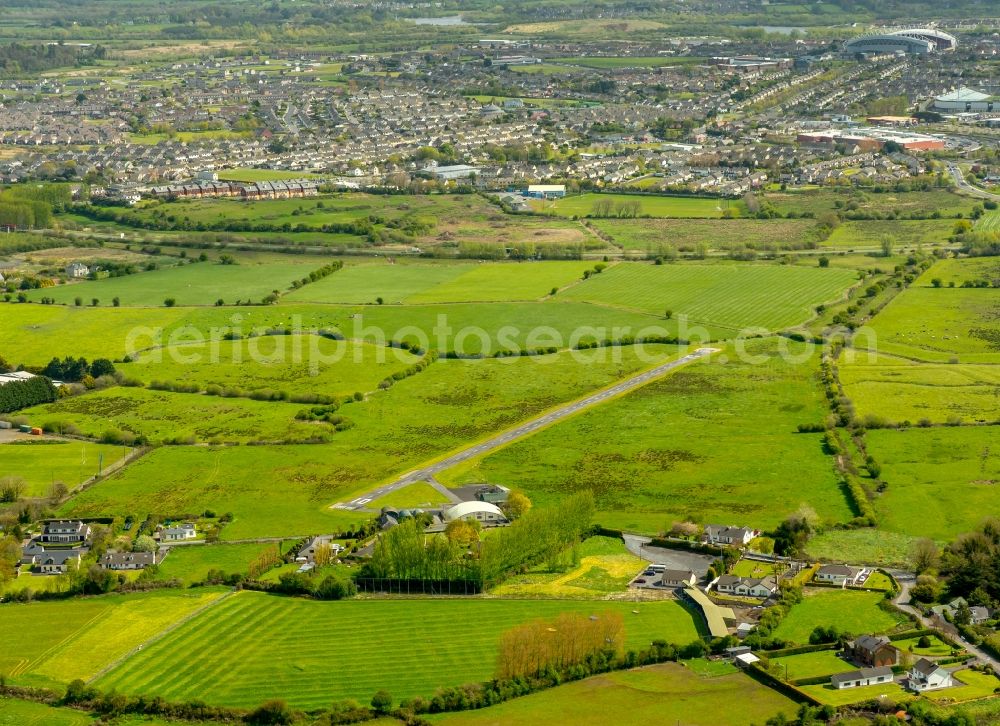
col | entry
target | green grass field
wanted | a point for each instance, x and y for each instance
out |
(82, 636)
(440, 283)
(666, 693)
(868, 234)
(28, 713)
(296, 364)
(872, 546)
(959, 270)
(256, 175)
(200, 283)
(826, 694)
(582, 205)
(40, 463)
(937, 649)
(659, 236)
(419, 494)
(713, 441)
(849, 611)
(942, 481)
(267, 647)
(191, 564)
(989, 221)
(737, 296)
(162, 416)
(898, 390)
(287, 490)
(818, 201)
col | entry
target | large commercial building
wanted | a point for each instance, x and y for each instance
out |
(965, 100)
(872, 139)
(912, 41)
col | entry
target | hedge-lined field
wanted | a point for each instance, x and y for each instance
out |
(768, 296)
(311, 653)
(583, 205)
(660, 236)
(40, 463)
(849, 611)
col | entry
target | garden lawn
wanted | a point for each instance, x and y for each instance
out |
(583, 205)
(937, 649)
(267, 647)
(296, 364)
(969, 685)
(811, 665)
(942, 481)
(55, 642)
(42, 462)
(850, 611)
(713, 441)
(827, 694)
(737, 296)
(199, 283)
(665, 693)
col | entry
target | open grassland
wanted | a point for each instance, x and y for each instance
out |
(738, 296)
(818, 201)
(989, 221)
(940, 325)
(605, 566)
(660, 236)
(583, 205)
(81, 636)
(810, 665)
(898, 390)
(599, 27)
(258, 175)
(713, 441)
(293, 363)
(665, 693)
(419, 494)
(955, 271)
(440, 283)
(191, 564)
(868, 234)
(267, 647)
(28, 713)
(850, 611)
(873, 546)
(198, 283)
(942, 481)
(33, 334)
(286, 491)
(165, 416)
(42, 462)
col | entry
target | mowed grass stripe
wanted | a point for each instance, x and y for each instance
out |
(735, 296)
(312, 653)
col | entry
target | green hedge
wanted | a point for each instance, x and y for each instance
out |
(22, 394)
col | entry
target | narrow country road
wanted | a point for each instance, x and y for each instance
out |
(520, 431)
(960, 182)
(902, 601)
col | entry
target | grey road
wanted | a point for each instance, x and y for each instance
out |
(956, 174)
(525, 429)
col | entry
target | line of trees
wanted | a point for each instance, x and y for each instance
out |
(76, 369)
(532, 648)
(23, 394)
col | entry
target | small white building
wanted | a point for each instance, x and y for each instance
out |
(179, 533)
(838, 574)
(863, 677)
(726, 535)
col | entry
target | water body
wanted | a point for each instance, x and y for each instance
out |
(448, 20)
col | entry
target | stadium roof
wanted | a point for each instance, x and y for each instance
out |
(963, 95)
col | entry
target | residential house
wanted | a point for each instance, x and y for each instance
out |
(926, 675)
(678, 578)
(128, 560)
(838, 574)
(77, 270)
(862, 677)
(761, 587)
(64, 531)
(308, 552)
(52, 562)
(725, 535)
(979, 614)
(872, 651)
(175, 534)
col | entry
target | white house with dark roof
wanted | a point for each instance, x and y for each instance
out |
(726, 535)
(179, 533)
(838, 574)
(129, 560)
(926, 675)
(64, 531)
(678, 578)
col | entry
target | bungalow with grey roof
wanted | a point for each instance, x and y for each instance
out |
(862, 677)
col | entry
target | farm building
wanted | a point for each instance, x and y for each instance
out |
(715, 616)
(862, 677)
(926, 675)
